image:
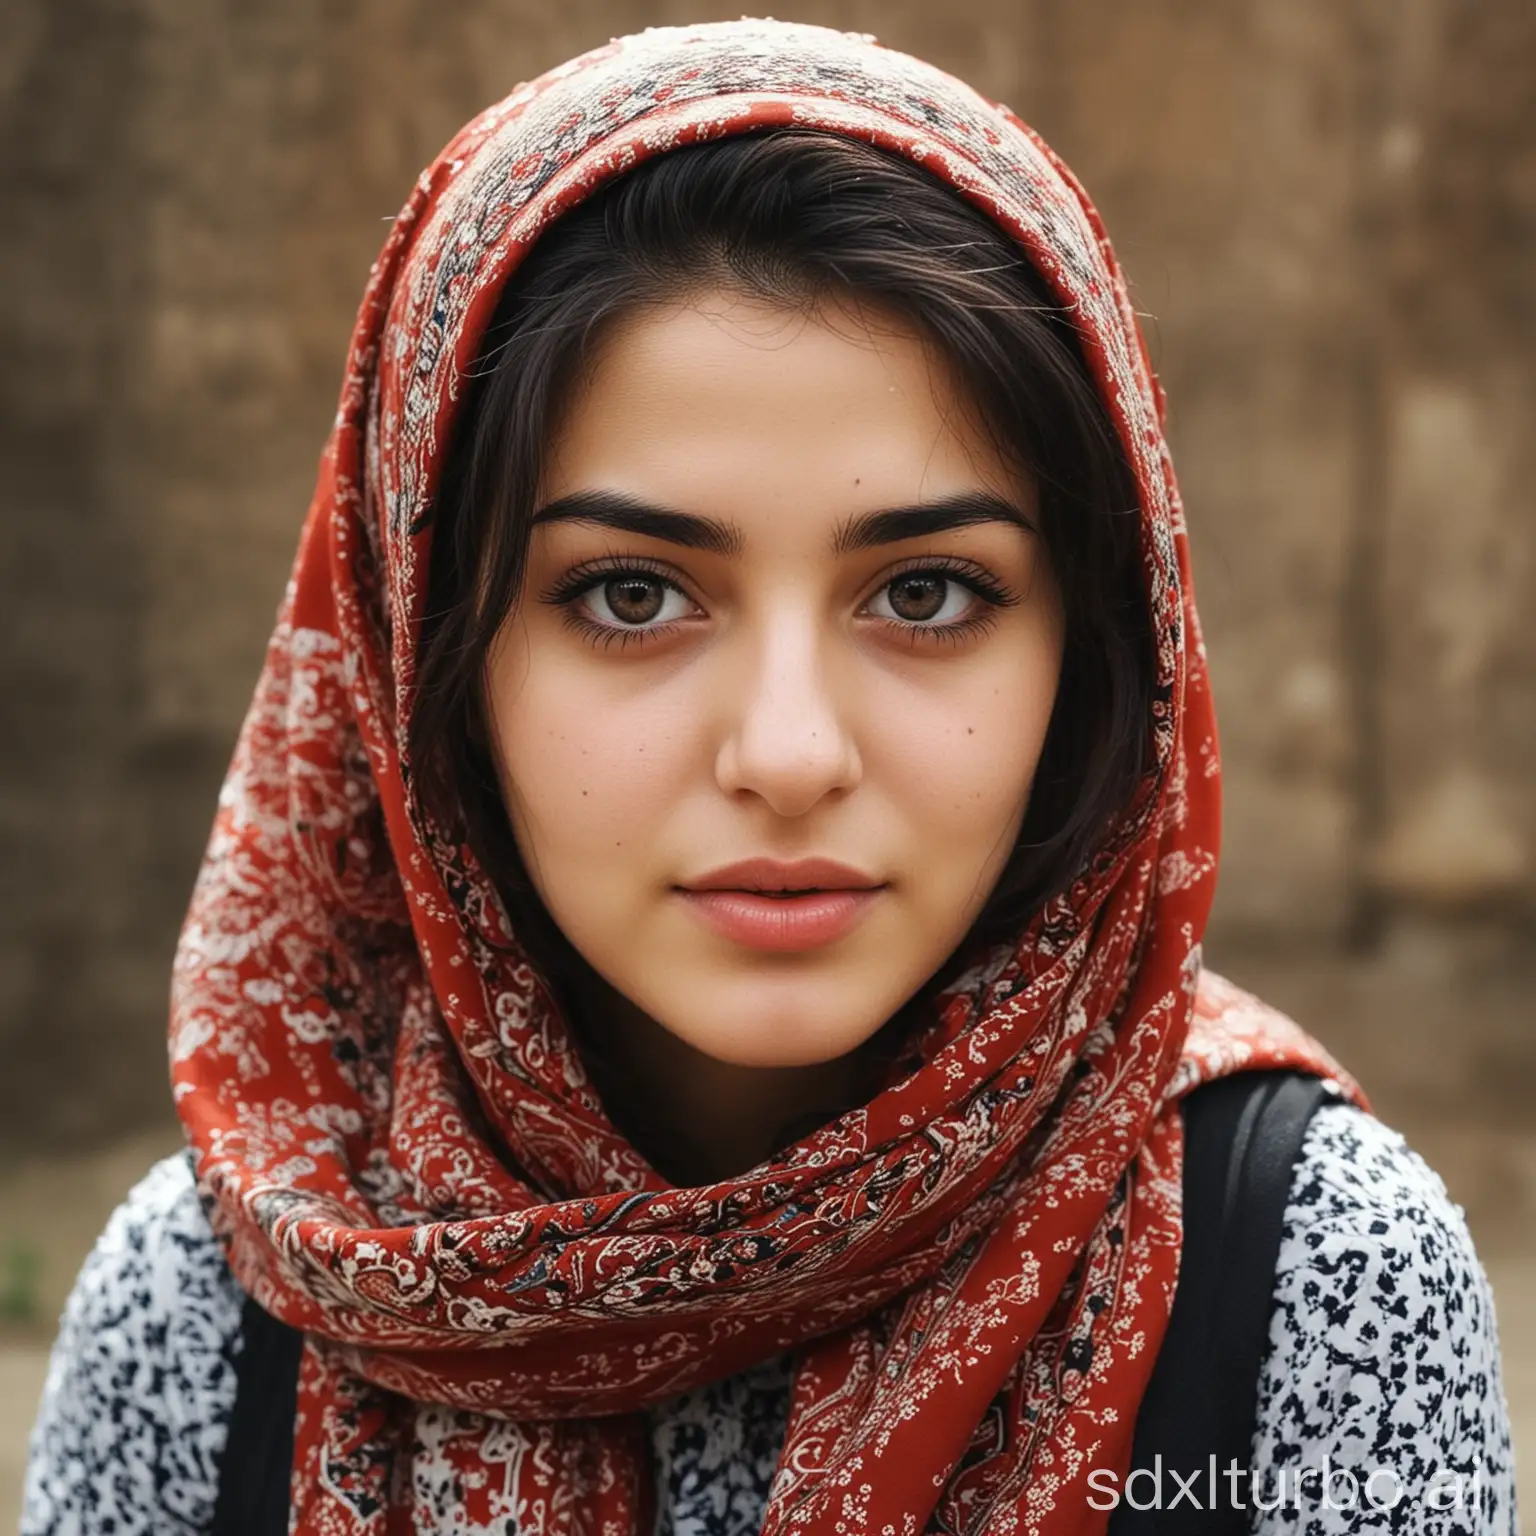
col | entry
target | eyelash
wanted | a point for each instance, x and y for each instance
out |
(590, 574)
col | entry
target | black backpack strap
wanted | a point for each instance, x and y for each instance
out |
(258, 1454)
(1242, 1137)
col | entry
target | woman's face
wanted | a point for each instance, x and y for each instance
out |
(784, 611)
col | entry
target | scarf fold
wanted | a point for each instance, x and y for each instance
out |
(974, 1270)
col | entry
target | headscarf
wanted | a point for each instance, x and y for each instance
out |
(394, 1132)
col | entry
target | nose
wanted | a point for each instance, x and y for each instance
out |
(788, 740)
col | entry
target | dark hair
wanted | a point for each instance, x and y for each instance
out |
(794, 216)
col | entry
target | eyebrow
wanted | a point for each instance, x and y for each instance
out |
(889, 525)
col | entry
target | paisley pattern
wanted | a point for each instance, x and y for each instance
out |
(1383, 1361)
(394, 1131)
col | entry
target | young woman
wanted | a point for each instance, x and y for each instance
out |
(691, 994)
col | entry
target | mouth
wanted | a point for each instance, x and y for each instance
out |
(767, 904)
(777, 877)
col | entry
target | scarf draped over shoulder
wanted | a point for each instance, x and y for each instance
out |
(401, 1151)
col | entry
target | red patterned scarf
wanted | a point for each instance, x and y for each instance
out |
(403, 1153)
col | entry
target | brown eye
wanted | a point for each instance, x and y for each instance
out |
(634, 599)
(627, 600)
(931, 598)
(918, 596)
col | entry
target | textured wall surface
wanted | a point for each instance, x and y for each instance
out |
(1327, 209)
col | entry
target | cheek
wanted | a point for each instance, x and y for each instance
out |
(587, 772)
(961, 762)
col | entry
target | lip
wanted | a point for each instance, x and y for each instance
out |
(779, 875)
(738, 903)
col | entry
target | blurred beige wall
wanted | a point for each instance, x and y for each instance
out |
(1326, 207)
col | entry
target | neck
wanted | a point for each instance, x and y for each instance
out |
(695, 1119)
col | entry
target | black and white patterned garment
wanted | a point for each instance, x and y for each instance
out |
(1383, 1360)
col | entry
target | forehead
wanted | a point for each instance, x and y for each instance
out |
(771, 416)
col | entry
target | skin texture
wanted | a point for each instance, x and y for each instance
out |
(782, 699)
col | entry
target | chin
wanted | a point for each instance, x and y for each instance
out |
(742, 1033)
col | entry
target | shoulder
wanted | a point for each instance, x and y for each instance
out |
(141, 1378)
(1383, 1351)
